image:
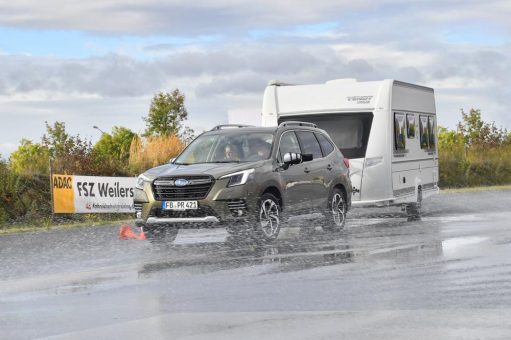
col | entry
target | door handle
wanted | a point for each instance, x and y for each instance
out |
(329, 167)
(306, 170)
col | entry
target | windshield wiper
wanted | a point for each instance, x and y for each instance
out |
(181, 163)
(225, 162)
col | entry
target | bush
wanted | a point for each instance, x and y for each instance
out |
(153, 151)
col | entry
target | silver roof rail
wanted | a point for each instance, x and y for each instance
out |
(293, 123)
(220, 127)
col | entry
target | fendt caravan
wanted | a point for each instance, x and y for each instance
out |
(386, 128)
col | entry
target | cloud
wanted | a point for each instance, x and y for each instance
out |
(182, 18)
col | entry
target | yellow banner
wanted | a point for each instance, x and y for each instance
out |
(63, 194)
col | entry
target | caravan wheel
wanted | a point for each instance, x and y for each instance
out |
(413, 210)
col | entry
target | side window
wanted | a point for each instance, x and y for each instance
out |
(410, 125)
(431, 131)
(326, 146)
(309, 144)
(399, 131)
(288, 143)
(423, 125)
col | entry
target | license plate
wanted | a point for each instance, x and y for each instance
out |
(179, 205)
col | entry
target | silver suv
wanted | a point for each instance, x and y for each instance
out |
(247, 179)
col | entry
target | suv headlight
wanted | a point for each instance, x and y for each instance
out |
(239, 178)
(141, 181)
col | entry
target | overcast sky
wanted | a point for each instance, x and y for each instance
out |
(98, 62)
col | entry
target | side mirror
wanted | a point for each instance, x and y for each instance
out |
(292, 158)
(171, 161)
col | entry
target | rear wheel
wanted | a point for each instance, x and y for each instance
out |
(268, 218)
(161, 234)
(337, 209)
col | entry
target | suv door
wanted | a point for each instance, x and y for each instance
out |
(330, 162)
(316, 172)
(296, 195)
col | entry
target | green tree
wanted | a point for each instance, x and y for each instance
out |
(69, 154)
(166, 114)
(57, 140)
(115, 145)
(30, 159)
(475, 131)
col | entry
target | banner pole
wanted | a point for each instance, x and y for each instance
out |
(51, 192)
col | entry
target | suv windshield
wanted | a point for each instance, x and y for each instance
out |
(227, 148)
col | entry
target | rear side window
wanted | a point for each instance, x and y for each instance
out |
(309, 144)
(423, 126)
(399, 131)
(288, 143)
(326, 146)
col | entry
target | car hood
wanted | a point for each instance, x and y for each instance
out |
(214, 169)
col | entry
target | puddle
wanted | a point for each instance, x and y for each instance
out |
(456, 245)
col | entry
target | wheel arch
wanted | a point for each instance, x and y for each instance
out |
(275, 192)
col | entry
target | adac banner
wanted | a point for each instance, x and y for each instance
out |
(91, 194)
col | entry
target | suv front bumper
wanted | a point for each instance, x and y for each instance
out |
(222, 205)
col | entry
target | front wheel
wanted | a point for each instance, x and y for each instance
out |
(268, 218)
(337, 210)
(162, 234)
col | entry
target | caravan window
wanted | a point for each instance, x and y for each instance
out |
(423, 126)
(410, 125)
(399, 131)
(431, 131)
(349, 131)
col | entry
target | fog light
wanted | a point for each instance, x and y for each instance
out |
(139, 214)
(240, 212)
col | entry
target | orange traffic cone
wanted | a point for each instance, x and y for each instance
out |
(126, 232)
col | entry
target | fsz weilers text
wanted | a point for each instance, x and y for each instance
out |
(87, 189)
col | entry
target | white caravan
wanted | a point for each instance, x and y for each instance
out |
(386, 128)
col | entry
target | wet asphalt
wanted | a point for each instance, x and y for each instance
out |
(445, 276)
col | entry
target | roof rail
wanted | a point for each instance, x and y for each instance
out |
(290, 123)
(220, 127)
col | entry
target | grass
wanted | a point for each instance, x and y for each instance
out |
(43, 226)
(477, 189)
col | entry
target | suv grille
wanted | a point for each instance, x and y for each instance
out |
(198, 187)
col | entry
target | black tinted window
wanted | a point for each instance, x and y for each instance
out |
(309, 144)
(423, 126)
(431, 131)
(289, 143)
(399, 131)
(326, 146)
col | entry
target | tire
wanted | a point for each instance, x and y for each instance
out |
(413, 210)
(268, 219)
(337, 210)
(163, 234)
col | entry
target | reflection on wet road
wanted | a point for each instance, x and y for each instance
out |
(446, 275)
